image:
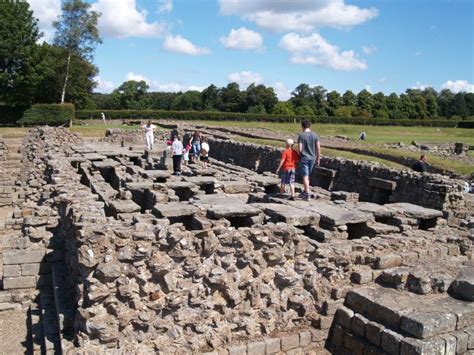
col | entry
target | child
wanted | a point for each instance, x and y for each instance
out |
(186, 154)
(204, 156)
(177, 152)
(288, 161)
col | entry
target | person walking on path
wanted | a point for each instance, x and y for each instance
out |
(195, 142)
(310, 154)
(177, 153)
(149, 128)
(287, 166)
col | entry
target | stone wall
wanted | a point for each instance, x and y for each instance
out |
(372, 181)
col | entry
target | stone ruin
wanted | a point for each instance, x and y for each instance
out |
(110, 253)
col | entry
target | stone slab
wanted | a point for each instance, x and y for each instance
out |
(230, 210)
(14, 256)
(174, 209)
(288, 214)
(414, 211)
(124, 206)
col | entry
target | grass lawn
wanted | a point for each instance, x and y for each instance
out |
(96, 131)
(375, 134)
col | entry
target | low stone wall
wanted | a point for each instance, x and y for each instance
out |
(369, 180)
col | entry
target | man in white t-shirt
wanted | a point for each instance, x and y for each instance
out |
(149, 128)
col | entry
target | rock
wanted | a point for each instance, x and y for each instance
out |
(108, 272)
(463, 286)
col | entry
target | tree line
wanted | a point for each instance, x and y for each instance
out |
(33, 73)
(305, 100)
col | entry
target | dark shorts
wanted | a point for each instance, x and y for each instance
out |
(305, 167)
(288, 177)
(204, 158)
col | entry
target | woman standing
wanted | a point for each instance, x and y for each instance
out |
(195, 142)
(149, 128)
(177, 152)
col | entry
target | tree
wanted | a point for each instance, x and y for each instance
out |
(18, 53)
(364, 102)
(260, 95)
(459, 107)
(81, 83)
(131, 95)
(232, 98)
(379, 107)
(188, 101)
(304, 111)
(302, 96)
(76, 31)
(211, 97)
(445, 102)
(407, 107)
(283, 108)
(349, 98)
(334, 101)
(393, 106)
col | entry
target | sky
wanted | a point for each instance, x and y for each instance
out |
(383, 45)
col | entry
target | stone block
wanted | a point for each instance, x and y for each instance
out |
(353, 344)
(289, 341)
(463, 286)
(462, 339)
(30, 269)
(373, 332)
(337, 336)
(432, 346)
(330, 306)
(297, 351)
(12, 256)
(237, 350)
(423, 325)
(9, 306)
(451, 343)
(256, 348)
(390, 342)
(343, 317)
(272, 345)
(361, 276)
(19, 282)
(305, 338)
(358, 325)
(11, 271)
(388, 261)
(5, 296)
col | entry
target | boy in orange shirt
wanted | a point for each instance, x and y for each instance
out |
(287, 166)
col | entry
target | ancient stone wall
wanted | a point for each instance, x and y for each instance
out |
(373, 182)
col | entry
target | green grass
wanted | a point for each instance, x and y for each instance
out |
(12, 132)
(95, 131)
(375, 134)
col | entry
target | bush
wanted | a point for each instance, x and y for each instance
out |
(231, 116)
(10, 115)
(48, 114)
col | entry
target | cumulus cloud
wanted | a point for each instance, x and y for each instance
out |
(458, 86)
(297, 15)
(369, 49)
(245, 78)
(281, 91)
(242, 38)
(122, 19)
(104, 86)
(165, 87)
(46, 11)
(315, 50)
(179, 44)
(165, 6)
(419, 86)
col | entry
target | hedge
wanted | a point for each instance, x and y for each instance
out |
(230, 116)
(10, 115)
(48, 114)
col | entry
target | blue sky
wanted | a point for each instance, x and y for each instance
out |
(385, 45)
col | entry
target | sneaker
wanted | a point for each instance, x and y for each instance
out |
(291, 198)
(307, 197)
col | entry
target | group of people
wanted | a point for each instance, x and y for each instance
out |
(194, 147)
(304, 156)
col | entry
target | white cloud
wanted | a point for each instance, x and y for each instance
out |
(369, 49)
(458, 86)
(245, 78)
(165, 87)
(419, 86)
(46, 11)
(368, 88)
(297, 15)
(165, 6)
(104, 86)
(314, 49)
(281, 91)
(179, 44)
(242, 38)
(121, 19)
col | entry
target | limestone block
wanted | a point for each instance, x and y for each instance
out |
(14, 256)
(423, 325)
(19, 282)
(272, 345)
(289, 341)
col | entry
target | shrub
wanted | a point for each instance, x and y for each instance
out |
(48, 114)
(231, 116)
(10, 115)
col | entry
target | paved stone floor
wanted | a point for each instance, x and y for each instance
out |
(14, 333)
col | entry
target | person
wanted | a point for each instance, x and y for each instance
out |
(196, 144)
(310, 154)
(103, 116)
(186, 154)
(287, 166)
(177, 153)
(204, 154)
(421, 165)
(149, 128)
(362, 136)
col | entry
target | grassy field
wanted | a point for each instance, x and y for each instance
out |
(375, 134)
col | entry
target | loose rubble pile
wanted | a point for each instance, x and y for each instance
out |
(126, 256)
